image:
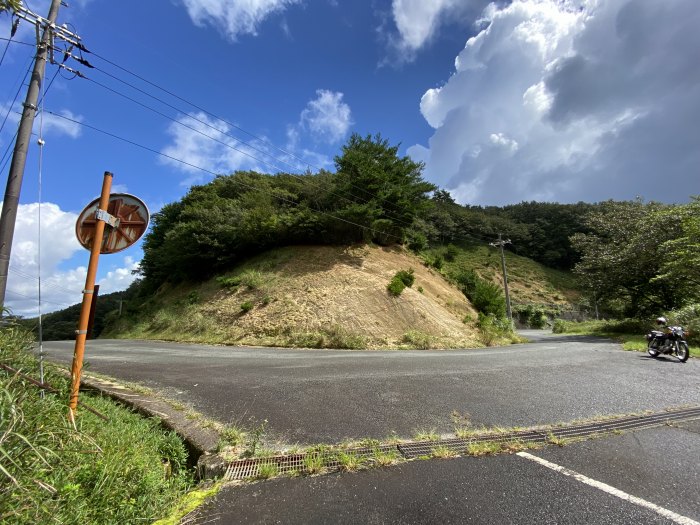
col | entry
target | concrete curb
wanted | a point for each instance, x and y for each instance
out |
(201, 442)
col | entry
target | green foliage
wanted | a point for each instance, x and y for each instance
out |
(437, 262)
(10, 5)
(400, 281)
(451, 252)
(61, 325)
(406, 277)
(638, 254)
(487, 297)
(124, 470)
(539, 231)
(417, 339)
(680, 263)
(416, 240)
(601, 327)
(531, 315)
(493, 328)
(374, 196)
(379, 183)
(246, 306)
(396, 286)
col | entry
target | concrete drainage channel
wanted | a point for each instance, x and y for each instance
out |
(330, 460)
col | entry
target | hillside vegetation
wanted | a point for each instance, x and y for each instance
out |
(631, 258)
(325, 296)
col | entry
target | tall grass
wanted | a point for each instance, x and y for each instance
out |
(124, 470)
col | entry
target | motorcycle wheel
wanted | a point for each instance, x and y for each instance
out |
(682, 351)
(653, 352)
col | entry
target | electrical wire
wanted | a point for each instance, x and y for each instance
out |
(226, 144)
(180, 122)
(79, 59)
(33, 298)
(205, 170)
(19, 88)
(260, 139)
(56, 287)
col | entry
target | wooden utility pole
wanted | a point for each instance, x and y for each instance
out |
(500, 243)
(19, 155)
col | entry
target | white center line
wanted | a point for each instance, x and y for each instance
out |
(677, 518)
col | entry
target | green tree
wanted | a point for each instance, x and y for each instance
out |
(622, 256)
(377, 184)
(680, 257)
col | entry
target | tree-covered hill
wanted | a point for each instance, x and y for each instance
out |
(631, 258)
(374, 196)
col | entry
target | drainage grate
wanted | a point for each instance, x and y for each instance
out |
(309, 463)
(314, 462)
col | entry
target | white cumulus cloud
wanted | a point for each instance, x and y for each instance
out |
(327, 117)
(60, 287)
(204, 143)
(234, 17)
(559, 100)
(51, 125)
(418, 21)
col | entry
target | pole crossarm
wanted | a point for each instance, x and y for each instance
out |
(57, 31)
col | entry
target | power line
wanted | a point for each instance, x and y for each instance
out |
(19, 88)
(5, 158)
(224, 143)
(260, 139)
(205, 170)
(177, 121)
(34, 298)
(44, 283)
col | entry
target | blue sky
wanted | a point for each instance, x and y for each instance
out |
(526, 100)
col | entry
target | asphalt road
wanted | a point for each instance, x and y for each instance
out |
(311, 396)
(659, 467)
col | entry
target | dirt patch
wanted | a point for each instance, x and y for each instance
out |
(315, 291)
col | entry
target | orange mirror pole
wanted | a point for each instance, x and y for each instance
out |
(81, 333)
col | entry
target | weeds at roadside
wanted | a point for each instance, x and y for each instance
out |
(462, 424)
(267, 470)
(314, 463)
(443, 452)
(426, 435)
(554, 440)
(417, 339)
(384, 458)
(349, 462)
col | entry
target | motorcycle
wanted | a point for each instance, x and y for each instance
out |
(672, 342)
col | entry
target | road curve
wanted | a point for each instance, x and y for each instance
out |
(311, 396)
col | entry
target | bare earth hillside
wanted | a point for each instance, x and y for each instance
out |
(328, 292)
(329, 297)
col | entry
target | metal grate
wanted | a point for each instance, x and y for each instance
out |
(308, 463)
(330, 460)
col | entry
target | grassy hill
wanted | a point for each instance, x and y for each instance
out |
(336, 297)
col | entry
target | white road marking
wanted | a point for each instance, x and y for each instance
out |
(677, 518)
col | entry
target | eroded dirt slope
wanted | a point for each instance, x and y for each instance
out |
(342, 293)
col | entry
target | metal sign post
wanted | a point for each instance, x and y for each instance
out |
(109, 224)
(81, 334)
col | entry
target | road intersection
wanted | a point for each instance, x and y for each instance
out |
(311, 396)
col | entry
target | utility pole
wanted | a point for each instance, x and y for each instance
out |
(500, 243)
(19, 155)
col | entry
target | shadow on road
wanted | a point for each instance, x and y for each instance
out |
(661, 359)
(549, 337)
